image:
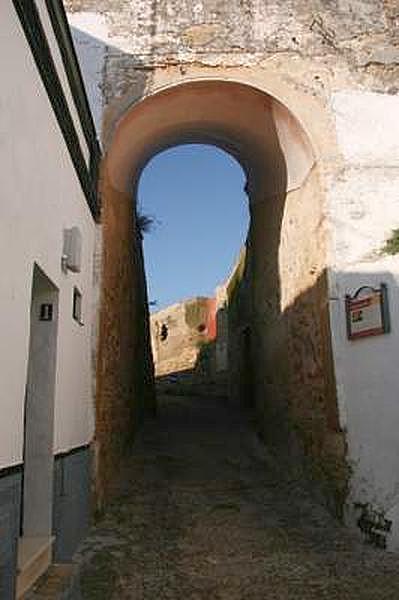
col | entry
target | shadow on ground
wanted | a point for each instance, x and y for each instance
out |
(200, 513)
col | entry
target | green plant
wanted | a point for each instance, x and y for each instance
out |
(392, 244)
(145, 223)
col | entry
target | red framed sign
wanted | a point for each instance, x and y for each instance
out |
(367, 312)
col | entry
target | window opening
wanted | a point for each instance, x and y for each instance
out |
(77, 306)
(164, 333)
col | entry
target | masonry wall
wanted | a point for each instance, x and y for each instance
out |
(189, 327)
(331, 64)
(279, 339)
(345, 46)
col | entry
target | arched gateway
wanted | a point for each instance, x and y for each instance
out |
(305, 97)
(283, 294)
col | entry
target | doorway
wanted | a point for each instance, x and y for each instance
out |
(34, 551)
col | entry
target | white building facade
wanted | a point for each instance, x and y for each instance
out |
(49, 156)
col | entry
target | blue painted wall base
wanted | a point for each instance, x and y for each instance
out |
(71, 509)
(10, 498)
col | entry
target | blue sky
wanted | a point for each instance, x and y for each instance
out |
(196, 195)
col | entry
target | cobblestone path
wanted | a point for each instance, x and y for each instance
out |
(200, 518)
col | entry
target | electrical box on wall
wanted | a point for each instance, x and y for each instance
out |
(72, 254)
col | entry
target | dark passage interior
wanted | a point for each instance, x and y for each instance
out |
(279, 344)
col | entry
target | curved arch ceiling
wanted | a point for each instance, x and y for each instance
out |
(256, 129)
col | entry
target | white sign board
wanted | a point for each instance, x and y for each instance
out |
(366, 313)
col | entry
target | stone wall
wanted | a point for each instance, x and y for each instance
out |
(179, 335)
(279, 338)
(124, 362)
(352, 43)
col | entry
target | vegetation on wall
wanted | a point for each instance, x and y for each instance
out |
(145, 223)
(392, 244)
(196, 311)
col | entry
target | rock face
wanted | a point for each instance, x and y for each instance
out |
(312, 114)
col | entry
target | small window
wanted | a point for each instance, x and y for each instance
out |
(201, 328)
(77, 306)
(164, 333)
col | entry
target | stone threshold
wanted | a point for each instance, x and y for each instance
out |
(60, 582)
(34, 558)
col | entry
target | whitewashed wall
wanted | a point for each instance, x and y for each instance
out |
(364, 209)
(59, 65)
(90, 37)
(40, 196)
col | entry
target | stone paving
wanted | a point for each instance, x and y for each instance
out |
(200, 517)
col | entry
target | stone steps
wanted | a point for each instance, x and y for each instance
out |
(34, 558)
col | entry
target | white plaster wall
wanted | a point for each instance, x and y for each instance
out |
(40, 196)
(59, 65)
(90, 36)
(363, 211)
(367, 128)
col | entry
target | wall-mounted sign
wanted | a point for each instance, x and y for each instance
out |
(46, 312)
(367, 312)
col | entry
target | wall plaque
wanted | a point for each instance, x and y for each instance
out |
(367, 312)
(46, 312)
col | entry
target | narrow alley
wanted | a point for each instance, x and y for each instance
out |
(101, 499)
(202, 514)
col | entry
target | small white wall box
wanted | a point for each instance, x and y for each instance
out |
(72, 253)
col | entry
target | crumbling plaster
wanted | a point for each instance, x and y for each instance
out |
(354, 40)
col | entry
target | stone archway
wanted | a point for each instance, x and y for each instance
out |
(283, 293)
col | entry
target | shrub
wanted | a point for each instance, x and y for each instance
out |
(392, 244)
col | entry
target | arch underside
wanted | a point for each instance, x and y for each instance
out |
(252, 126)
(281, 297)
